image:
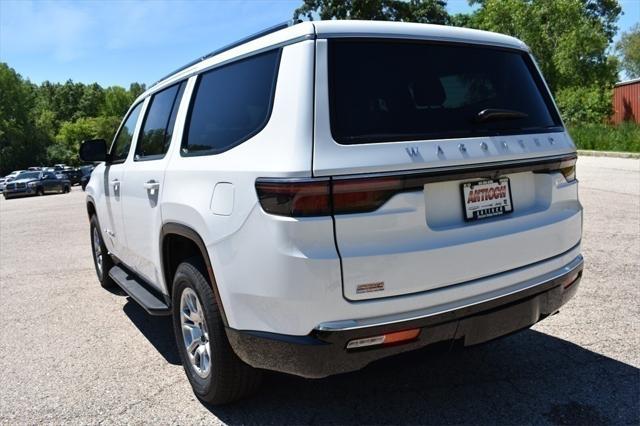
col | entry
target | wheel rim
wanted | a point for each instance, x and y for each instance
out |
(194, 333)
(97, 250)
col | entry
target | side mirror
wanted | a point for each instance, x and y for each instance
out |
(93, 150)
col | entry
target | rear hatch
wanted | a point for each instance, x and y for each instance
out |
(447, 163)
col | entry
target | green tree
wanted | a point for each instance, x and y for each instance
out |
(423, 11)
(568, 39)
(117, 101)
(136, 89)
(21, 145)
(64, 148)
(91, 101)
(629, 50)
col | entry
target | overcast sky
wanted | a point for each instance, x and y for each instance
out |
(117, 42)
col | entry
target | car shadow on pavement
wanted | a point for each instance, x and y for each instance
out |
(158, 330)
(526, 378)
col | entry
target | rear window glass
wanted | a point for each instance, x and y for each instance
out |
(232, 103)
(383, 91)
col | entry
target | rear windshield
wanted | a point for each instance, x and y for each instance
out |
(384, 91)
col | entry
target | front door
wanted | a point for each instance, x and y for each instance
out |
(113, 225)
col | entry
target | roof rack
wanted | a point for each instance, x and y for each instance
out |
(259, 34)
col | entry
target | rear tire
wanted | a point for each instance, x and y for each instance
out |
(101, 258)
(197, 323)
(66, 190)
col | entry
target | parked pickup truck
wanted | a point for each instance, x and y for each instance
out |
(36, 183)
(326, 194)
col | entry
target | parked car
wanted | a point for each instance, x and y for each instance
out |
(73, 175)
(86, 175)
(2, 183)
(35, 183)
(13, 174)
(333, 193)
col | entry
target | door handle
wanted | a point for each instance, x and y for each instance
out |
(115, 183)
(151, 185)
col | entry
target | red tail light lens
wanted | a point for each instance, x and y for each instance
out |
(295, 198)
(313, 197)
(363, 195)
(567, 167)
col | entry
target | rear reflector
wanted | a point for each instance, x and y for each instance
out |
(385, 339)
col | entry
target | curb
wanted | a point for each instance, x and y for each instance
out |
(615, 154)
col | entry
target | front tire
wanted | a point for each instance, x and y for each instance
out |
(215, 372)
(101, 258)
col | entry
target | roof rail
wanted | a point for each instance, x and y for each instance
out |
(259, 34)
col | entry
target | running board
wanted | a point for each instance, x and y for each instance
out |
(135, 288)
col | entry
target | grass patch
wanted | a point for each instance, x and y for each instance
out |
(605, 137)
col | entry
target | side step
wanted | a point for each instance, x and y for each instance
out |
(135, 288)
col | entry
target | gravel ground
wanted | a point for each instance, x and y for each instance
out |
(74, 353)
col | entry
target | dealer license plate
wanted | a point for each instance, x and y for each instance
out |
(486, 198)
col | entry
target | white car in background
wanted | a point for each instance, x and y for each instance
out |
(323, 195)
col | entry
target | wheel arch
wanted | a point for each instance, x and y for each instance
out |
(174, 236)
(91, 206)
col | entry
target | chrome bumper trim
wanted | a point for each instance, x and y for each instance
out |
(345, 325)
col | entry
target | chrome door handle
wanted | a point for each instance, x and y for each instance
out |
(115, 183)
(151, 185)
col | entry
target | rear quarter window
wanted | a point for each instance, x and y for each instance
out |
(385, 91)
(231, 104)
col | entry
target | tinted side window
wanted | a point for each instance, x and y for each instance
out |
(122, 143)
(232, 103)
(50, 175)
(157, 129)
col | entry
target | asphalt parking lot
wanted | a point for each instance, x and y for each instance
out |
(71, 352)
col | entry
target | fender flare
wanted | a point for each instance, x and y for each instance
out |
(172, 228)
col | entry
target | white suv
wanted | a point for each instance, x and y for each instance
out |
(326, 194)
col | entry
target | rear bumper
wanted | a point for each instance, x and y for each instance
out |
(323, 352)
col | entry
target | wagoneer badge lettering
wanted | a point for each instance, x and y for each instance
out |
(413, 151)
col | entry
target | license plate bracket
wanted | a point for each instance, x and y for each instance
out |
(486, 198)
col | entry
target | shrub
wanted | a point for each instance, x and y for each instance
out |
(606, 137)
(589, 104)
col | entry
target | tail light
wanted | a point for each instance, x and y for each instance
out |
(567, 167)
(296, 198)
(327, 196)
(303, 198)
(569, 173)
(363, 195)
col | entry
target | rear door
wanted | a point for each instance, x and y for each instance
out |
(410, 131)
(144, 177)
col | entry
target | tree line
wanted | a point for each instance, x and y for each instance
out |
(44, 124)
(570, 39)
